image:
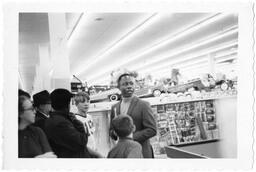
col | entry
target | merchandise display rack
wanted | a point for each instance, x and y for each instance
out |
(206, 96)
(186, 122)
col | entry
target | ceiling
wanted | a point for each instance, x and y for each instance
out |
(150, 43)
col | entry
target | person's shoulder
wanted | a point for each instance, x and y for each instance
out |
(135, 143)
(132, 144)
(80, 117)
(56, 119)
(35, 129)
(142, 102)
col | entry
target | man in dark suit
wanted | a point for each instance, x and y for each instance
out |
(42, 103)
(65, 133)
(139, 110)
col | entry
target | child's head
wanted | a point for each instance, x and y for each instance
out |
(82, 101)
(123, 125)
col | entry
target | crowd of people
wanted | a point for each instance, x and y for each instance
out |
(47, 128)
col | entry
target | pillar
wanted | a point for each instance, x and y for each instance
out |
(211, 63)
(60, 74)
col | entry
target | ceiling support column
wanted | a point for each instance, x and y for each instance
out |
(60, 74)
(211, 64)
(42, 79)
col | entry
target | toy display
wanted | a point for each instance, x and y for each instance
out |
(174, 77)
(184, 123)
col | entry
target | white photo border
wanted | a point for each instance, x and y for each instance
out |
(244, 159)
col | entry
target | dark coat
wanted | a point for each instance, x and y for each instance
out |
(40, 120)
(65, 137)
(143, 119)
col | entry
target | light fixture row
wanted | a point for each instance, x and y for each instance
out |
(171, 38)
(157, 59)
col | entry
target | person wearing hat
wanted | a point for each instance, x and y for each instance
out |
(42, 103)
(65, 133)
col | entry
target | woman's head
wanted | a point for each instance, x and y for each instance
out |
(26, 110)
(82, 101)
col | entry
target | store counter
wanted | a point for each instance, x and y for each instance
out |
(174, 152)
(225, 146)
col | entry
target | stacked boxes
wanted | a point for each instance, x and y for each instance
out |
(182, 123)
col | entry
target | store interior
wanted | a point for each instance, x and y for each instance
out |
(183, 62)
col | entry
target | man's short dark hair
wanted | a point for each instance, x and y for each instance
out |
(121, 76)
(123, 125)
(60, 98)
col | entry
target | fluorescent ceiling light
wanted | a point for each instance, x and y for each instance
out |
(193, 56)
(225, 54)
(182, 50)
(171, 38)
(125, 38)
(155, 60)
(194, 63)
(197, 70)
(183, 59)
(76, 24)
(76, 31)
(182, 68)
(226, 66)
(101, 81)
(168, 68)
(225, 58)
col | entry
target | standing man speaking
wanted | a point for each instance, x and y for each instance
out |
(139, 110)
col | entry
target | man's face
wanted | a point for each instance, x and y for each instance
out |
(45, 108)
(126, 86)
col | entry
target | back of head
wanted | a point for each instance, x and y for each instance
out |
(123, 125)
(41, 98)
(60, 98)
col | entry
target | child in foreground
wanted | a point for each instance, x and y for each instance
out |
(126, 147)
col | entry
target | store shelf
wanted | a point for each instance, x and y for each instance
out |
(162, 102)
(105, 106)
(194, 143)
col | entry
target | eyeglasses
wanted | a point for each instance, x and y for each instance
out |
(31, 108)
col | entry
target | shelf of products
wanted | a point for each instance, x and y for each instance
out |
(184, 123)
(196, 96)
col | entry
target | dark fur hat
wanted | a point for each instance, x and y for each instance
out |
(42, 97)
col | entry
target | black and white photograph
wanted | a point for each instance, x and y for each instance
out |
(124, 84)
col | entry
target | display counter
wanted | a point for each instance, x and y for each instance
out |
(219, 142)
